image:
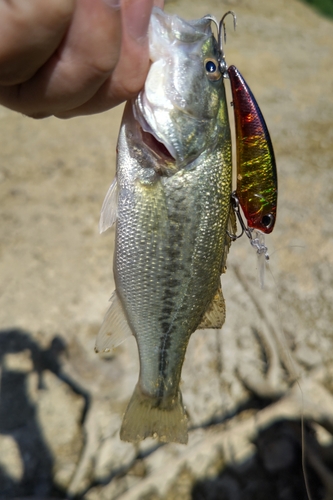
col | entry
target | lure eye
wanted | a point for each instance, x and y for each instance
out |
(267, 221)
(212, 69)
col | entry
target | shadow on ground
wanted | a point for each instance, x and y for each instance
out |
(18, 417)
(274, 472)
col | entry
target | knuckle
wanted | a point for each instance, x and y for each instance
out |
(61, 10)
(102, 67)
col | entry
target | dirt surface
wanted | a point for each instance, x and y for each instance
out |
(245, 387)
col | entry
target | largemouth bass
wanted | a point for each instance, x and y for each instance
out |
(171, 204)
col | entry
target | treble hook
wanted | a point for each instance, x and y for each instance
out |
(259, 241)
(213, 20)
(222, 33)
(235, 206)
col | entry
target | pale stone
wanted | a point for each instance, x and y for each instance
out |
(10, 458)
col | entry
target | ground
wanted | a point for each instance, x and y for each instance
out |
(245, 387)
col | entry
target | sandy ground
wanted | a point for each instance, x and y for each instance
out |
(245, 387)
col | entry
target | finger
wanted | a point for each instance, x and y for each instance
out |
(30, 31)
(128, 78)
(131, 71)
(80, 66)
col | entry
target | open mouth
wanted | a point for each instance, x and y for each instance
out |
(149, 137)
(156, 146)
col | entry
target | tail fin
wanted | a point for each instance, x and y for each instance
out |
(145, 417)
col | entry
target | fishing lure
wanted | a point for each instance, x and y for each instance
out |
(256, 167)
(256, 191)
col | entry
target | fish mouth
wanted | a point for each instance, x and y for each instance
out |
(156, 146)
(149, 137)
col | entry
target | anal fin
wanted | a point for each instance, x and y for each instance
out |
(115, 328)
(214, 316)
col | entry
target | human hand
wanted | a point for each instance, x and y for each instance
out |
(72, 57)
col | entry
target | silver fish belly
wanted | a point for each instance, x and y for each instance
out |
(172, 195)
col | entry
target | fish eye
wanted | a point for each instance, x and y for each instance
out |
(212, 69)
(267, 220)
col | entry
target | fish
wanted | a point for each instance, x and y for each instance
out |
(170, 202)
(257, 187)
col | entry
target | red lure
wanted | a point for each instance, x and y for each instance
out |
(256, 168)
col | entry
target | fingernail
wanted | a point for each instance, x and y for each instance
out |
(115, 4)
(136, 18)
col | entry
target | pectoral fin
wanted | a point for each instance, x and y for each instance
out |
(215, 313)
(115, 328)
(109, 208)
